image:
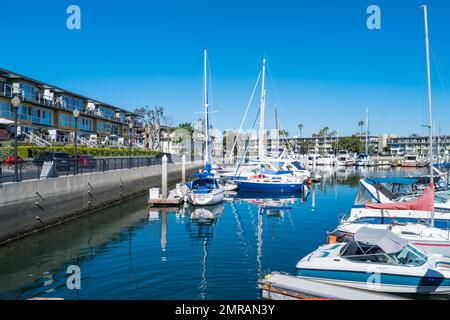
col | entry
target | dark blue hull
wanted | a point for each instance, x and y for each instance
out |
(268, 187)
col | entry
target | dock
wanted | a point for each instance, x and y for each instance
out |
(279, 286)
(173, 200)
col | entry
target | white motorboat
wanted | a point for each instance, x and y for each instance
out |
(410, 161)
(429, 239)
(344, 159)
(363, 160)
(313, 159)
(377, 260)
(326, 160)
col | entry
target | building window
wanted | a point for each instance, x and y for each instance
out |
(71, 103)
(107, 128)
(42, 117)
(30, 92)
(107, 113)
(85, 124)
(66, 120)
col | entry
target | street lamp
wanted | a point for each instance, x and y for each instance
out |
(130, 127)
(15, 102)
(76, 114)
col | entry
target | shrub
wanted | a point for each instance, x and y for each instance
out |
(35, 151)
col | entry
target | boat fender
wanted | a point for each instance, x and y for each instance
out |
(332, 239)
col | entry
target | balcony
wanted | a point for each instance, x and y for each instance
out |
(8, 91)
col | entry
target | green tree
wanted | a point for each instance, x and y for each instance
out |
(186, 126)
(352, 144)
(284, 133)
(306, 146)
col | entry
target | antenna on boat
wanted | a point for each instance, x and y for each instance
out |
(430, 112)
(261, 150)
(205, 89)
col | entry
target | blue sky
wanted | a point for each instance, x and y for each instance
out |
(325, 65)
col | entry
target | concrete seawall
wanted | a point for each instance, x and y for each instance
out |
(34, 205)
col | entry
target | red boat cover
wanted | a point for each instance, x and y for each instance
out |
(424, 203)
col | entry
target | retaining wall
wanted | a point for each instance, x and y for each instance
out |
(34, 205)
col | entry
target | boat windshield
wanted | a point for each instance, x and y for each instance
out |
(408, 257)
(278, 166)
(297, 165)
(363, 196)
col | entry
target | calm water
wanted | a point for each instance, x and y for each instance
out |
(133, 252)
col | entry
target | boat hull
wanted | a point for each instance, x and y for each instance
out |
(379, 282)
(247, 185)
(201, 199)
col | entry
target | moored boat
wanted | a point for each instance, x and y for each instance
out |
(377, 260)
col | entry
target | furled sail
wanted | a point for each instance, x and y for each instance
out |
(424, 203)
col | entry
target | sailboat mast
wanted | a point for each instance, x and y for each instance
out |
(205, 99)
(261, 147)
(430, 112)
(367, 132)
(276, 127)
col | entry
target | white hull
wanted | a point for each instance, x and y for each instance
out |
(206, 199)
(383, 287)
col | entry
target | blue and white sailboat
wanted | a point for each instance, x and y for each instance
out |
(271, 181)
(268, 180)
(204, 189)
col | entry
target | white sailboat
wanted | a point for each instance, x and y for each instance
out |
(204, 189)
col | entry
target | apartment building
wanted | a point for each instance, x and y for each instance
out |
(46, 106)
(419, 145)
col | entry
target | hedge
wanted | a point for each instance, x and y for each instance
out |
(34, 151)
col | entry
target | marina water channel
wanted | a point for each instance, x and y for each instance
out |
(131, 251)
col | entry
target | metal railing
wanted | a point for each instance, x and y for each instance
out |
(33, 138)
(30, 169)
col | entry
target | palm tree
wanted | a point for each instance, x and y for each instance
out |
(300, 128)
(361, 125)
(324, 132)
(284, 133)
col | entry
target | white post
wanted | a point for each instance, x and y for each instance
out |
(164, 177)
(183, 169)
(261, 148)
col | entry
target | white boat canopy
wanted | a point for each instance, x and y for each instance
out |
(385, 239)
(6, 121)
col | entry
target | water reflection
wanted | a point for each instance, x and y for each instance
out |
(132, 251)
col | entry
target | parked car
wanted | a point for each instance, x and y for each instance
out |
(11, 160)
(85, 161)
(62, 160)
